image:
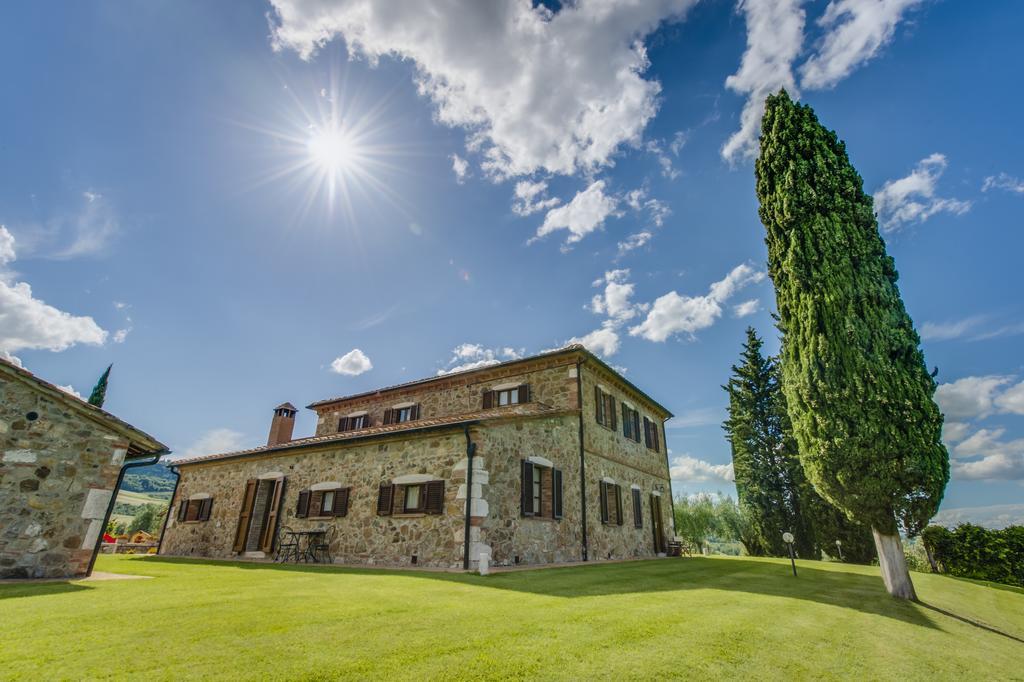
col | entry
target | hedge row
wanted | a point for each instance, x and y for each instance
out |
(971, 551)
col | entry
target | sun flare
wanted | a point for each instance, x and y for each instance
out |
(332, 149)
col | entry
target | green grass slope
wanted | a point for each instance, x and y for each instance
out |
(695, 618)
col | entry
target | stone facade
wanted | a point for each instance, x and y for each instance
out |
(59, 465)
(546, 431)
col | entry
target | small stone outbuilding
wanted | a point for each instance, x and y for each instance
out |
(61, 461)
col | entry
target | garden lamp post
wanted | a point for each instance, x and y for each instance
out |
(839, 546)
(787, 537)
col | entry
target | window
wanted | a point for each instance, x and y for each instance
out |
(514, 395)
(611, 503)
(638, 514)
(651, 434)
(321, 503)
(399, 415)
(541, 490)
(630, 423)
(412, 498)
(605, 408)
(192, 511)
(361, 421)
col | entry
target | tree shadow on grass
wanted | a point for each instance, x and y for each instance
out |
(831, 587)
(38, 589)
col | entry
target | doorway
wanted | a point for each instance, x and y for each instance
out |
(258, 516)
(657, 524)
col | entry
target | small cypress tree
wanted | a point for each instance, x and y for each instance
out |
(99, 391)
(857, 389)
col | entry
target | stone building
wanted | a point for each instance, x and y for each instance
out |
(61, 461)
(562, 459)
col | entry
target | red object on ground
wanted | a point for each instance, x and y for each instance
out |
(108, 538)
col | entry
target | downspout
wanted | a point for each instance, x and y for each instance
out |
(470, 451)
(113, 500)
(583, 471)
(170, 503)
(668, 471)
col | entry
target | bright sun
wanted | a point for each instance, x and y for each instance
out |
(332, 149)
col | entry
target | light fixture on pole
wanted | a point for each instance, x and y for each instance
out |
(839, 546)
(788, 538)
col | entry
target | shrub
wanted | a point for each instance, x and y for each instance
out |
(970, 551)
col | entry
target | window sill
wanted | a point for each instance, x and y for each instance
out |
(321, 518)
(409, 515)
(540, 518)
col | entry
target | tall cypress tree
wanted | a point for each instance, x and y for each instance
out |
(99, 391)
(857, 389)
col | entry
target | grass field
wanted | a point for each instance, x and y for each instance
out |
(696, 618)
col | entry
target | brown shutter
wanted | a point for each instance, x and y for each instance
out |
(302, 506)
(414, 413)
(657, 436)
(626, 422)
(385, 499)
(488, 399)
(367, 422)
(524, 393)
(647, 432)
(604, 501)
(343, 424)
(273, 514)
(341, 501)
(526, 488)
(316, 499)
(204, 509)
(182, 510)
(636, 426)
(556, 493)
(618, 503)
(435, 497)
(389, 416)
(638, 517)
(599, 405)
(610, 409)
(242, 531)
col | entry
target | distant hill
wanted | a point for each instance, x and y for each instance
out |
(156, 478)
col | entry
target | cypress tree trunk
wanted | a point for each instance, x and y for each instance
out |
(893, 563)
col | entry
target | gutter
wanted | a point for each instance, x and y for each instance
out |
(167, 518)
(113, 500)
(470, 451)
(583, 471)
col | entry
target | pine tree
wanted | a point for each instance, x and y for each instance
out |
(857, 389)
(99, 391)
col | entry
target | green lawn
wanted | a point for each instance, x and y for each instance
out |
(697, 618)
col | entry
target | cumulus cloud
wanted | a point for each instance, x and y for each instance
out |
(856, 31)
(535, 90)
(674, 313)
(912, 199)
(460, 167)
(971, 397)
(28, 323)
(473, 356)
(986, 456)
(1003, 181)
(746, 308)
(70, 390)
(531, 197)
(634, 241)
(603, 341)
(775, 31)
(615, 301)
(1011, 401)
(214, 442)
(692, 470)
(585, 213)
(953, 432)
(352, 363)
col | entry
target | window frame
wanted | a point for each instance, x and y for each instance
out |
(421, 498)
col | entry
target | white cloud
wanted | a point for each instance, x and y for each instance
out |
(746, 308)
(992, 457)
(677, 314)
(1011, 401)
(953, 432)
(970, 397)
(774, 39)
(993, 516)
(352, 363)
(657, 148)
(657, 210)
(214, 442)
(912, 199)
(460, 167)
(701, 416)
(953, 329)
(615, 300)
(27, 323)
(634, 241)
(531, 197)
(692, 470)
(603, 341)
(857, 30)
(71, 390)
(468, 356)
(535, 90)
(91, 228)
(1003, 181)
(585, 213)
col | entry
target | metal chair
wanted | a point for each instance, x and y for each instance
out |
(321, 548)
(287, 545)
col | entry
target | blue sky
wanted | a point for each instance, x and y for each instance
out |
(226, 200)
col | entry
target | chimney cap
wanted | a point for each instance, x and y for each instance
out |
(287, 406)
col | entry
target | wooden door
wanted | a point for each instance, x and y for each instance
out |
(657, 525)
(269, 530)
(245, 515)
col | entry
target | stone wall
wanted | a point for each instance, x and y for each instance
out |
(552, 382)
(57, 473)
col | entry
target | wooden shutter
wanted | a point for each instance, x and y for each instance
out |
(626, 422)
(414, 413)
(316, 500)
(604, 501)
(618, 504)
(343, 424)
(527, 488)
(182, 510)
(204, 509)
(636, 425)
(242, 531)
(273, 514)
(524, 393)
(302, 505)
(385, 499)
(647, 432)
(610, 411)
(556, 493)
(638, 516)
(367, 422)
(389, 416)
(656, 432)
(598, 405)
(488, 399)
(434, 491)
(341, 501)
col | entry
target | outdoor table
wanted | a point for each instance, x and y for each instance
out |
(306, 539)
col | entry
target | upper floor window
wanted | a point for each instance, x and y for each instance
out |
(411, 498)
(401, 413)
(500, 396)
(651, 437)
(630, 423)
(352, 423)
(605, 403)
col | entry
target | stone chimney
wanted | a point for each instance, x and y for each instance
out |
(282, 425)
